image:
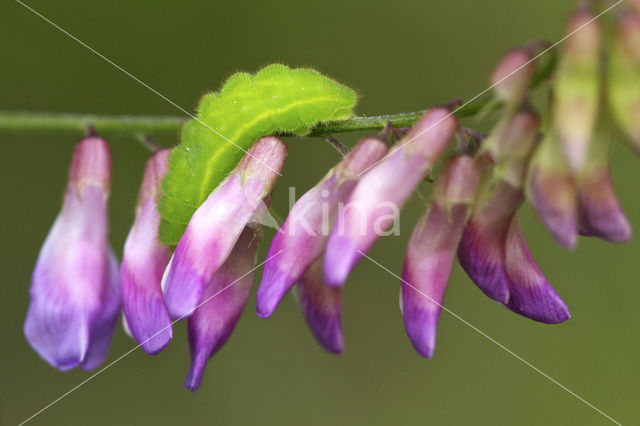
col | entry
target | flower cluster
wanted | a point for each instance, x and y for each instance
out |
(561, 167)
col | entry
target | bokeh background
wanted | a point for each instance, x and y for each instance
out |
(401, 56)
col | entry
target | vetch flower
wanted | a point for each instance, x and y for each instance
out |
(432, 250)
(143, 265)
(303, 236)
(600, 214)
(496, 257)
(493, 251)
(375, 202)
(223, 300)
(551, 189)
(577, 87)
(321, 306)
(216, 225)
(481, 251)
(75, 293)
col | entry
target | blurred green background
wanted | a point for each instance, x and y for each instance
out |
(401, 56)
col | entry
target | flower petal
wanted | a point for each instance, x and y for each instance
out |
(426, 272)
(222, 303)
(375, 202)
(143, 265)
(74, 288)
(529, 291)
(103, 325)
(432, 250)
(216, 225)
(303, 236)
(600, 212)
(511, 77)
(553, 196)
(481, 251)
(321, 306)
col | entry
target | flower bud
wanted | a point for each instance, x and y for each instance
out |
(143, 265)
(577, 87)
(512, 76)
(303, 236)
(75, 291)
(376, 201)
(432, 250)
(513, 137)
(216, 225)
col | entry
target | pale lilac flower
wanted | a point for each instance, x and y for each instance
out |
(223, 300)
(215, 227)
(432, 251)
(375, 202)
(321, 306)
(551, 189)
(75, 293)
(143, 265)
(303, 236)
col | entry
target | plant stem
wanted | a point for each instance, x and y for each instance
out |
(52, 122)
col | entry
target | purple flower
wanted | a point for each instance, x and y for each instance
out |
(215, 227)
(493, 251)
(75, 293)
(530, 294)
(143, 265)
(303, 236)
(600, 212)
(432, 251)
(495, 255)
(375, 202)
(551, 189)
(223, 300)
(321, 306)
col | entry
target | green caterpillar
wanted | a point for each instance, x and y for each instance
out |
(248, 107)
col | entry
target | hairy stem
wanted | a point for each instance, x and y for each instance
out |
(51, 122)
